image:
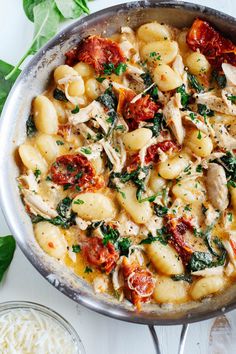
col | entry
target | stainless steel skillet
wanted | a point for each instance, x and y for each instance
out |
(33, 81)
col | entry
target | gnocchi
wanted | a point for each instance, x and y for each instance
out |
(45, 115)
(127, 170)
(137, 139)
(51, 239)
(206, 286)
(170, 291)
(164, 258)
(93, 206)
(166, 78)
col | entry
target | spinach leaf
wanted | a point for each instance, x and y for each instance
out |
(194, 83)
(160, 210)
(162, 236)
(186, 277)
(69, 8)
(147, 79)
(200, 261)
(159, 124)
(133, 177)
(185, 97)
(76, 248)
(65, 218)
(28, 6)
(204, 111)
(109, 234)
(7, 249)
(6, 85)
(219, 78)
(46, 21)
(109, 100)
(30, 127)
(59, 95)
(124, 245)
(228, 161)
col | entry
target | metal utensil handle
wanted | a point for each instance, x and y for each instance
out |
(182, 340)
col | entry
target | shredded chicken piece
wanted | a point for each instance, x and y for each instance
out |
(225, 140)
(173, 118)
(91, 111)
(217, 186)
(37, 205)
(230, 73)
(129, 44)
(30, 181)
(116, 160)
(197, 121)
(216, 103)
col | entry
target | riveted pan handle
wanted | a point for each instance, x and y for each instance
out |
(183, 336)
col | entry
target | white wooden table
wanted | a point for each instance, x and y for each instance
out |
(99, 334)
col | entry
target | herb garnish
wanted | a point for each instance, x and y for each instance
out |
(30, 127)
(76, 248)
(75, 110)
(185, 97)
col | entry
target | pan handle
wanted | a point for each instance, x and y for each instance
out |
(183, 336)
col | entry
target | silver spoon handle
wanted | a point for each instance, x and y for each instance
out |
(182, 340)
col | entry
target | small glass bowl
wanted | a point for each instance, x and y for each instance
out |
(47, 312)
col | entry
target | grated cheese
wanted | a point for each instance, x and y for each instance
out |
(29, 332)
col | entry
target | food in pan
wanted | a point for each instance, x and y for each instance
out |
(128, 171)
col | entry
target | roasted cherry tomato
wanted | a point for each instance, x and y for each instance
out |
(139, 283)
(152, 151)
(212, 44)
(96, 51)
(100, 256)
(74, 170)
(177, 228)
(142, 109)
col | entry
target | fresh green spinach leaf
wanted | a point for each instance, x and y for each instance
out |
(7, 249)
(30, 127)
(194, 83)
(6, 85)
(28, 6)
(185, 277)
(185, 97)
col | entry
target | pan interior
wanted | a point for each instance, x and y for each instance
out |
(32, 82)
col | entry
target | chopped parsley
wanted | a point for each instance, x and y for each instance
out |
(75, 110)
(59, 142)
(76, 248)
(79, 201)
(108, 69)
(185, 97)
(230, 217)
(37, 173)
(199, 136)
(120, 69)
(88, 270)
(231, 98)
(162, 236)
(199, 168)
(86, 151)
(100, 79)
(155, 55)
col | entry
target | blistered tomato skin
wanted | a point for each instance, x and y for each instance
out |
(141, 110)
(97, 52)
(99, 255)
(74, 171)
(152, 154)
(139, 283)
(217, 49)
(177, 228)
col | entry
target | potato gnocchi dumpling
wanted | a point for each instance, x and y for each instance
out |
(128, 168)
